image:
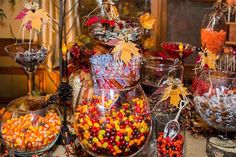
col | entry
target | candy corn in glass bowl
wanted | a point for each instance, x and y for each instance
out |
(113, 122)
(30, 128)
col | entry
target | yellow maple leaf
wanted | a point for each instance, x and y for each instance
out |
(174, 93)
(147, 21)
(124, 50)
(175, 97)
(209, 59)
(114, 12)
(37, 19)
(148, 43)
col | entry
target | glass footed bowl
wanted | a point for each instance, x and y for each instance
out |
(215, 99)
(32, 127)
(28, 55)
(172, 49)
(112, 122)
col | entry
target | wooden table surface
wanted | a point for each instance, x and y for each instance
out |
(195, 147)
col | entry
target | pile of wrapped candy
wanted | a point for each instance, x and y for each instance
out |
(31, 58)
(104, 29)
(218, 109)
(120, 131)
(109, 73)
(31, 132)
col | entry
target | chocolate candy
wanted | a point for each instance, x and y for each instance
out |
(120, 129)
(218, 111)
(173, 148)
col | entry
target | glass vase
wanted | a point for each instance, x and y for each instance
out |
(213, 32)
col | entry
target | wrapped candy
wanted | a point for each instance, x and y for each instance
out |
(109, 73)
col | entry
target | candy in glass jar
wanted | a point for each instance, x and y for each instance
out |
(113, 122)
(31, 128)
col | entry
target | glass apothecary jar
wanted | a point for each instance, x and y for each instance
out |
(166, 146)
(31, 128)
(215, 99)
(154, 74)
(113, 122)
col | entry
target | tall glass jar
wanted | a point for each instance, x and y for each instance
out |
(155, 72)
(213, 32)
(113, 122)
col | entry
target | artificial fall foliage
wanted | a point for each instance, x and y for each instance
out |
(147, 21)
(209, 59)
(124, 50)
(175, 91)
(148, 43)
(33, 17)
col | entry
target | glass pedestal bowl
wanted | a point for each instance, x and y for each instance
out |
(112, 122)
(32, 128)
(215, 101)
(172, 49)
(29, 56)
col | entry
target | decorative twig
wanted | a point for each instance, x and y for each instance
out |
(12, 31)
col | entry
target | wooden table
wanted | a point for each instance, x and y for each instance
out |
(195, 147)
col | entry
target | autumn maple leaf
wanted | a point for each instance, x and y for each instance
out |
(176, 93)
(124, 50)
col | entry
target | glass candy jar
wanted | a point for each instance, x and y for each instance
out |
(155, 72)
(31, 128)
(215, 99)
(113, 122)
(213, 32)
(166, 146)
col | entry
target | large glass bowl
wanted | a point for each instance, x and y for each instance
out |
(32, 127)
(215, 99)
(112, 122)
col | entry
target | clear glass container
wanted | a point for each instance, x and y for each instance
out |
(166, 146)
(113, 122)
(109, 73)
(213, 32)
(31, 128)
(154, 73)
(215, 99)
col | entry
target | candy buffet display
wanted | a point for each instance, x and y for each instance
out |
(112, 122)
(31, 129)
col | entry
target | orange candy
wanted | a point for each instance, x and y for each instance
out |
(31, 132)
(213, 40)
